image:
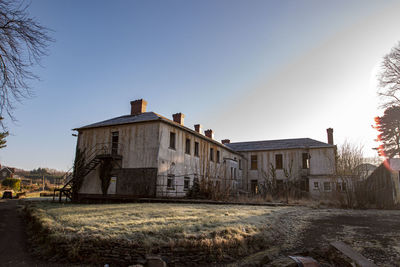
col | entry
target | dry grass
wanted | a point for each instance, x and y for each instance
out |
(221, 228)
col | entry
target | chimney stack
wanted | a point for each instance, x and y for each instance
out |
(209, 133)
(178, 118)
(138, 107)
(197, 128)
(225, 141)
(329, 131)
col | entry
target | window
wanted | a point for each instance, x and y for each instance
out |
(342, 186)
(211, 154)
(218, 156)
(114, 143)
(234, 173)
(253, 160)
(187, 146)
(196, 149)
(278, 161)
(327, 186)
(171, 182)
(316, 185)
(231, 173)
(306, 161)
(240, 164)
(172, 140)
(186, 183)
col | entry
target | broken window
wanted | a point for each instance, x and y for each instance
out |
(306, 161)
(196, 149)
(211, 154)
(278, 161)
(187, 146)
(172, 140)
(327, 186)
(218, 156)
(253, 160)
(186, 183)
(171, 182)
(114, 142)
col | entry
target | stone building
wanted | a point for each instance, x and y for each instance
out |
(144, 154)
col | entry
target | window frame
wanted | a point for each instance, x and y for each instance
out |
(186, 181)
(172, 141)
(325, 186)
(196, 149)
(172, 178)
(278, 159)
(218, 154)
(188, 146)
(254, 160)
(212, 154)
(305, 161)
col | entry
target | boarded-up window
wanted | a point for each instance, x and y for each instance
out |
(172, 140)
(171, 182)
(186, 183)
(278, 161)
(253, 160)
(187, 146)
(196, 149)
(211, 154)
(306, 161)
(218, 156)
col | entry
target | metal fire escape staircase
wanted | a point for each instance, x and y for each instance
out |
(96, 155)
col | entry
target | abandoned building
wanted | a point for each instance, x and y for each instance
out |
(144, 154)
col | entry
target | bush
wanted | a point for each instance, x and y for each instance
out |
(14, 184)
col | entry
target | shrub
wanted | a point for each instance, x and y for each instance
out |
(13, 183)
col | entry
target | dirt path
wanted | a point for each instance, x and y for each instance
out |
(14, 250)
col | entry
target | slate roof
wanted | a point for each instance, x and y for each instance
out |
(144, 117)
(278, 144)
(126, 119)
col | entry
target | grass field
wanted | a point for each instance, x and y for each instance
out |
(158, 224)
(204, 233)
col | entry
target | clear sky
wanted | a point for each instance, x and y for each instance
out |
(249, 70)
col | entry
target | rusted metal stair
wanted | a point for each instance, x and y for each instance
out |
(96, 155)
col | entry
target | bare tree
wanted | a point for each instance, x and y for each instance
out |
(23, 42)
(389, 78)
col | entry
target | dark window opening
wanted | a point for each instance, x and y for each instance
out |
(240, 164)
(196, 149)
(186, 183)
(218, 156)
(211, 154)
(114, 142)
(172, 140)
(187, 146)
(171, 182)
(254, 187)
(278, 161)
(306, 161)
(253, 162)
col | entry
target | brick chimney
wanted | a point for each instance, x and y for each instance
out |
(138, 107)
(225, 141)
(209, 133)
(197, 128)
(329, 131)
(178, 118)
